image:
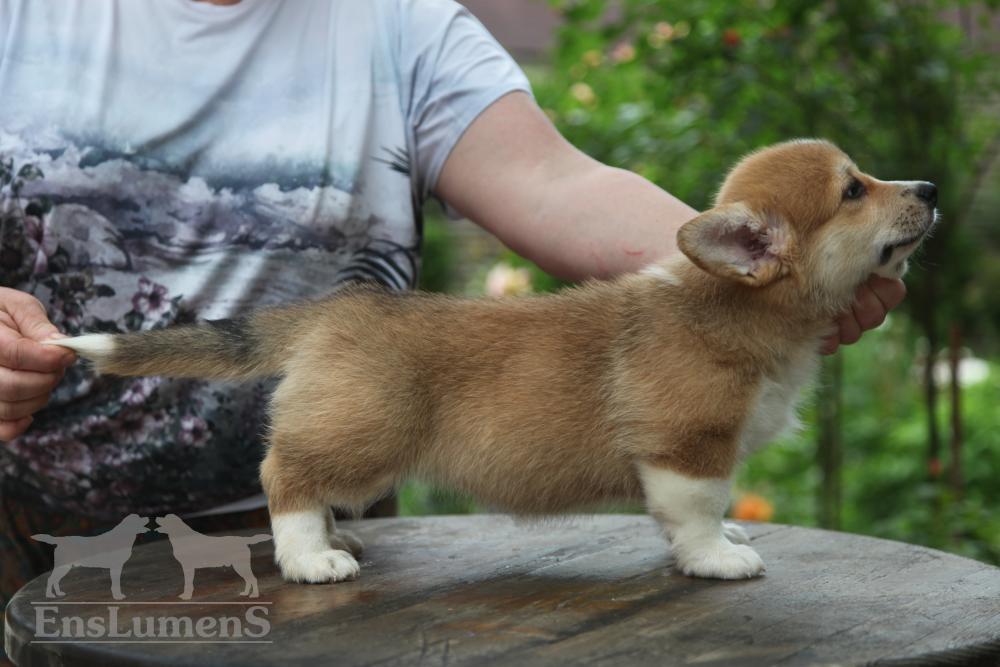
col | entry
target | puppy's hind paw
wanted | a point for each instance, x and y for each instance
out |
(722, 560)
(735, 533)
(345, 540)
(319, 567)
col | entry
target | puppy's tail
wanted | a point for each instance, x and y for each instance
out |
(48, 539)
(255, 345)
(254, 539)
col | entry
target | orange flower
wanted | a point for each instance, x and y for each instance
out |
(751, 507)
(731, 37)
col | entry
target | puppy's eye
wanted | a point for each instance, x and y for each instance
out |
(856, 190)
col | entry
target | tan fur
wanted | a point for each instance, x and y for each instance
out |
(547, 403)
(542, 404)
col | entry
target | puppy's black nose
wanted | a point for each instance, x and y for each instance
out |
(928, 193)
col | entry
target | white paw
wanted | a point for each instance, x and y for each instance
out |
(345, 540)
(721, 560)
(319, 567)
(735, 533)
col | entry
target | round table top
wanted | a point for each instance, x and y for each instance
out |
(492, 589)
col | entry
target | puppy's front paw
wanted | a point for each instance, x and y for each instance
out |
(346, 541)
(319, 567)
(721, 560)
(735, 533)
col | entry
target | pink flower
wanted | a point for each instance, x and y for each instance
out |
(136, 427)
(92, 423)
(194, 431)
(623, 53)
(114, 455)
(134, 395)
(137, 392)
(151, 299)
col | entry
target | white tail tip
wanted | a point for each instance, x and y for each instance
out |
(91, 346)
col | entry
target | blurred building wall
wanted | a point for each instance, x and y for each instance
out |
(526, 28)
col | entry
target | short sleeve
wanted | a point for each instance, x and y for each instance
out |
(452, 69)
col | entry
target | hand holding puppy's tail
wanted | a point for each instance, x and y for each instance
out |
(246, 347)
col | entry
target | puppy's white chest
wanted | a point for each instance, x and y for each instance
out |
(774, 410)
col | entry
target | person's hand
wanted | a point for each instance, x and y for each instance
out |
(873, 302)
(28, 371)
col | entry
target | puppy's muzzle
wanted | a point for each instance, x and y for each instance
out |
(927, 192)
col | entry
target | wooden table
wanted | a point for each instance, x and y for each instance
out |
(491, 590)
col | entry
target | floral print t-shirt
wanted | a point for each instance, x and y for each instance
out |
(163, 161)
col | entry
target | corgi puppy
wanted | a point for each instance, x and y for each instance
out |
(653, 385)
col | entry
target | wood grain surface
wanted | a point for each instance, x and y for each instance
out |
(489, 589)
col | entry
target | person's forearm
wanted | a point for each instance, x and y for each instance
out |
(603, 221)
(513, 174)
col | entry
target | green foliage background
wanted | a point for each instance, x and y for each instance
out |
(678, 92)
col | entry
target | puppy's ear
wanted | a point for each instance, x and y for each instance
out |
(733, 241)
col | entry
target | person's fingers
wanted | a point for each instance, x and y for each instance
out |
(12, 429)
(24, 354)
(24, 322)
(29, 315)
(22, 385)
(873, 302)
(12, 411)
(889, 291)
(868, 310)
(850, 330)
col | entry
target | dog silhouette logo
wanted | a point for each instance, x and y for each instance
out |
(108, 550)
(194, 551)
(112, 549)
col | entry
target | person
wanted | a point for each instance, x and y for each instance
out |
(182, 159)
